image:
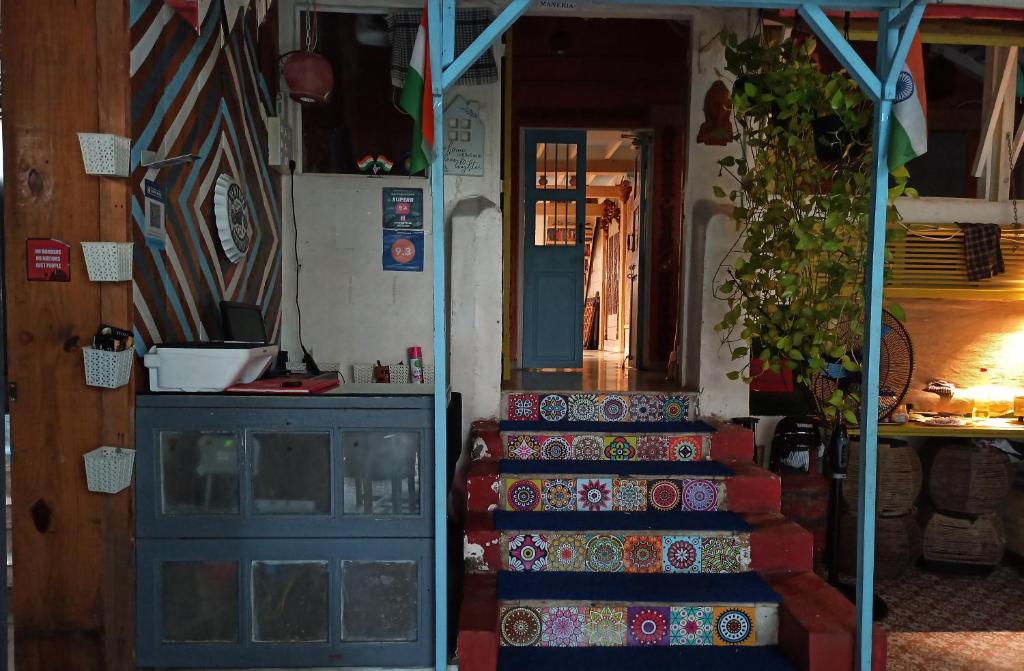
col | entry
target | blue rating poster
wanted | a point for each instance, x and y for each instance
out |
(403, 250)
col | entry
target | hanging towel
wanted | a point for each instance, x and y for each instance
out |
(469, 24)
(982, 251)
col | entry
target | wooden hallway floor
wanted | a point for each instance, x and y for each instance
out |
(602, 371)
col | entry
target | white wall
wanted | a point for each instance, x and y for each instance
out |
(355, 312)
(710, 231)
(352, 310)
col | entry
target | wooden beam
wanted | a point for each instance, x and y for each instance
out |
(1002, 34)
(600, 165)
(613, 148)
(73, 602)
(604, 192)
(593, 209)
(1001, 62)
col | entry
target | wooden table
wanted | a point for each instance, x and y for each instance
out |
(1008, 428)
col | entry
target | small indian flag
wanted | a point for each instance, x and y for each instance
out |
(417, 100)
(909, 138)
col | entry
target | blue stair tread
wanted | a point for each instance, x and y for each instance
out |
(697, 469)
(711, 588)
(704, 658)
(618, 428)
(512, 520)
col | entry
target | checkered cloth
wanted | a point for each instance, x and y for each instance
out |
(982, 251)
(469, 23)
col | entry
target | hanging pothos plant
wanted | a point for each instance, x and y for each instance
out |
(795, 279)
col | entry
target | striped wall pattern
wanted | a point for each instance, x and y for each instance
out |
(203, 94)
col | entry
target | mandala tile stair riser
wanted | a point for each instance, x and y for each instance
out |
(597, 493)
(625, 553)
(597, 408)
(615, 625)
(596, 447)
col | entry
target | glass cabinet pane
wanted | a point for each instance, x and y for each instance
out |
(291, 473)
(381, 472)
(379, 601)
(289, 601)
(198, 473)
(200, 601)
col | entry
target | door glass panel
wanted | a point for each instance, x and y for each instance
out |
(556, 165)
(379, 601)
(381, 471)
(291, 473)
(554, 223)
(289, 601)
(198, 473)
(199, 601)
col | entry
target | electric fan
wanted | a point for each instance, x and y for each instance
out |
(895, 367)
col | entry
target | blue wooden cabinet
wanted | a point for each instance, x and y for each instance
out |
(284, 532)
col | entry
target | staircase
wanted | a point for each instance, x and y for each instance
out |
(607, 530)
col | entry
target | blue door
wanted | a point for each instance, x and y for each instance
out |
(554, 211)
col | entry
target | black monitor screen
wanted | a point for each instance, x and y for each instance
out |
(243, 322)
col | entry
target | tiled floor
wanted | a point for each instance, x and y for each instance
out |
(602, 371)
(940, 622)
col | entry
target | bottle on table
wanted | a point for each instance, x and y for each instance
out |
(982, 397)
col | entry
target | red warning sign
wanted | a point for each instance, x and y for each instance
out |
(48, 260)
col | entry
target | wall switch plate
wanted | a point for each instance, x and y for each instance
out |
(279, 143)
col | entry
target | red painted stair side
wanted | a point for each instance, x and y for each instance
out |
(477, 643)
(778, 545)
(817, 625)
(752, 489)
(731, 442)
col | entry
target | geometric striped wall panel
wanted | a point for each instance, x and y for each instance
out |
(203, 94)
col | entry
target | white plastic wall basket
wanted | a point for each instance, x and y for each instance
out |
(109, 469)
(107, 369)
(105, 154)
(108, 261)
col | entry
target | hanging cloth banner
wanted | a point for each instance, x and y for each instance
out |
(193, 11)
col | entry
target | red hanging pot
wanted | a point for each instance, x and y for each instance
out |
(309, 77)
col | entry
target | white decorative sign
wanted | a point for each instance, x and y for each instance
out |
(463, 138)
(232, 211)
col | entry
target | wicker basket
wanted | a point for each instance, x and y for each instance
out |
(1013, 520)
(964, 541)
(969, 480)
(899, 479)
(897, 545)
(109, 469)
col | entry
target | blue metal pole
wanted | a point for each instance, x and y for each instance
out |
(438, 26)
(843, 50)
(483, 41)
(887, 42)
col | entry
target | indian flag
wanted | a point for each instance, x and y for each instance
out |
(909, 137)
(417, 100)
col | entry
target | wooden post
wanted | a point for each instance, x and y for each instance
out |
(65, 68)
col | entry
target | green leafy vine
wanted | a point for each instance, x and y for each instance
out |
(795, 289)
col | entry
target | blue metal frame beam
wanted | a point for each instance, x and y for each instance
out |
(902, 49)
(440, 25)
(483, 42)
(448, 43)
(851, 60)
